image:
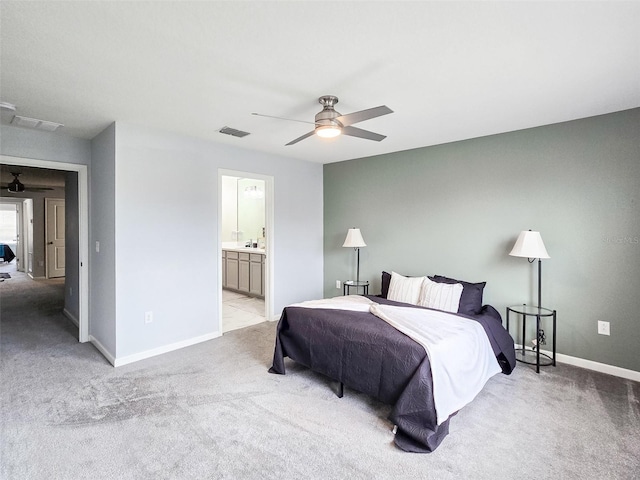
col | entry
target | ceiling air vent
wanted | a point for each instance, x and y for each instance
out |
(36, 123)
(233, 132)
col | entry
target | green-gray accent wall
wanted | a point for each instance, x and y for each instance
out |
(456, 210)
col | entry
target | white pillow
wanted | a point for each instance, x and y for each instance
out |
(442, 296)
(405, 289)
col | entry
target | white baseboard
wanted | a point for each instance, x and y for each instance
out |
(101, 348)
(71, 317)
(595, 366)
(118, 362)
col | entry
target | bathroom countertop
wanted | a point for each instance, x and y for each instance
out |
(235, 248)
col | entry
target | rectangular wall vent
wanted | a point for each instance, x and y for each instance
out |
(36, 123)
(233, 132)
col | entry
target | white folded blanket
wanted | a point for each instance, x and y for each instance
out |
(356, 303)
(459, 351)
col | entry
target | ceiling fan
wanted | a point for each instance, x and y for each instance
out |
(331, 123)
(16, 186)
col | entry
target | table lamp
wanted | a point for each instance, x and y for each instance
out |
(530, 245)
(354, 240)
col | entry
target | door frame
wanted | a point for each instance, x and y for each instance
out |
(269, 239)
(20, 244)
(83, 229)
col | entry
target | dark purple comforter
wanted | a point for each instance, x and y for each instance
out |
(369, 355)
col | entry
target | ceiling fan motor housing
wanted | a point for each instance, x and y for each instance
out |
(16, 186)
(328, 114)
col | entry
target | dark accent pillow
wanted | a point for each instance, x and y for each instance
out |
(386, 281)
(471, 298)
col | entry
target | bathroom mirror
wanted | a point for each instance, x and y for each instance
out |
(243, 211)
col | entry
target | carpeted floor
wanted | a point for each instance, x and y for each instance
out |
(212, 411)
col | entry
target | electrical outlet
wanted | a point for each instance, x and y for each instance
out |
(148, 317)
(338, 284)
(97, 247)
(603, 328)
(70, 292)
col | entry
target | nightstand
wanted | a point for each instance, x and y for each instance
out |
(349, 284)
(529, 356)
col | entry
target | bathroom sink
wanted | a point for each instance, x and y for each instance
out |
(245, 249)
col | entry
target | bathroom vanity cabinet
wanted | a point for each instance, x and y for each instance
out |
(243, 271)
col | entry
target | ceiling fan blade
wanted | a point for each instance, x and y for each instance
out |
(362, 115)
(306, 135)
(360, 133)
(282, 118)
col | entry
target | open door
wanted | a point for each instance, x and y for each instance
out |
(55, 237)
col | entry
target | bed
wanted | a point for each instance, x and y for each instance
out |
(366, 353)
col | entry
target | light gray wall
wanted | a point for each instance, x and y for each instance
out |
(456, 210)
(72, 245)
(102, 208)
(57, 147)
(166, 198)
(135, 186)
(54, 146)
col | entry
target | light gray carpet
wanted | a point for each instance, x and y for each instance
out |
(213, 411)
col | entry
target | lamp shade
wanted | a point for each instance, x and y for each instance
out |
(354, 239)
(529, 244)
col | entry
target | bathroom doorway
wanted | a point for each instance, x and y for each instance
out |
(245, 243)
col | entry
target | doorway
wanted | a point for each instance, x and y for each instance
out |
(82, 236)
(10, 233)
(245, 249)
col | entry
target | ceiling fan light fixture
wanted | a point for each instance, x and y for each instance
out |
(328, 131)
(16, 186)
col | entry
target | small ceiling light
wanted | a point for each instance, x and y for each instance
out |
(328, 131)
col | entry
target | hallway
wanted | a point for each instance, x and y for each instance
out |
(31, 313)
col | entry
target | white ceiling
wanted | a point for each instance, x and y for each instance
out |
(449, 70)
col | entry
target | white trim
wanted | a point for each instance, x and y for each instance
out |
(70, 316)
(102, 349)
(83, 229)
(21, 245)
(598, 367)
(136, 357)
(595, 366)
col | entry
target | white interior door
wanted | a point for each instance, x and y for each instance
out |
(25, 223)
(19, 239)
(28, 222)
(55, 237)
